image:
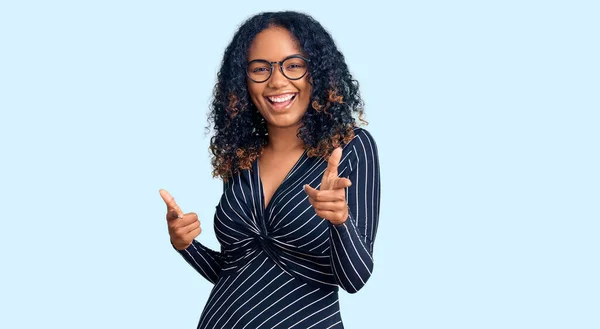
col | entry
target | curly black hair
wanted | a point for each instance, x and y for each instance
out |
(240, 130)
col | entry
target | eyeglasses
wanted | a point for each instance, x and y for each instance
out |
(293, 67)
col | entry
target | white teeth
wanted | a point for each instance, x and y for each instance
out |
(281, 99)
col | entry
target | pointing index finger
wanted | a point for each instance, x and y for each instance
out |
(334, 161)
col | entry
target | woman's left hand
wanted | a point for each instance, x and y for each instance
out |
(330, 201)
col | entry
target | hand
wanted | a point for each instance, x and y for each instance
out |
(330, 201)
(183, 228)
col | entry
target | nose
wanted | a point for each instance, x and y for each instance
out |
(277, 80)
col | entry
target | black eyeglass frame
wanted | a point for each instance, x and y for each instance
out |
(280, 67)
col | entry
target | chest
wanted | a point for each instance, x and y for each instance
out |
(269, 202)
(273, 170)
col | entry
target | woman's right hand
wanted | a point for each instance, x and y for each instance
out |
(183, 228)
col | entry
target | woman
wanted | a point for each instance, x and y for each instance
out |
(300, 204)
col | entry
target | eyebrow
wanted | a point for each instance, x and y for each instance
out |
(292, 55)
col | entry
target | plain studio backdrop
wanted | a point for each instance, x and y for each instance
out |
(486, 115)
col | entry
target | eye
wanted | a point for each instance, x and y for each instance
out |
(259, 68)
(295, 66)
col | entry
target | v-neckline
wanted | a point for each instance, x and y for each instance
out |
(264, 206)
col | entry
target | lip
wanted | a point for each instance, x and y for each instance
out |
(277, 108)
(282, 93)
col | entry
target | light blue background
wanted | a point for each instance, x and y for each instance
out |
(485, 114)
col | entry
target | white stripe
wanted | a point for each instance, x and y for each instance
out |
(306, 267)
(302, 309)
(325, 318)
(281, 310)
(315, 313)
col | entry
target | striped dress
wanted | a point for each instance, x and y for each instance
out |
(281, 266)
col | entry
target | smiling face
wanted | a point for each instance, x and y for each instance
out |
(281, 101)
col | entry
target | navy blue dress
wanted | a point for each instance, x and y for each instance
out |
(281, 267)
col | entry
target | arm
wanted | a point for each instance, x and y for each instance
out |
(204, 260)
(352, 241)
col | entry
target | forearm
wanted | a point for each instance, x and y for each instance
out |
(351, 256)
(204, 260)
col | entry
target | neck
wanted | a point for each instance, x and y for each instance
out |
(284, 139)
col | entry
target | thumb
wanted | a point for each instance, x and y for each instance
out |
(171, 204)
(341, 182)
